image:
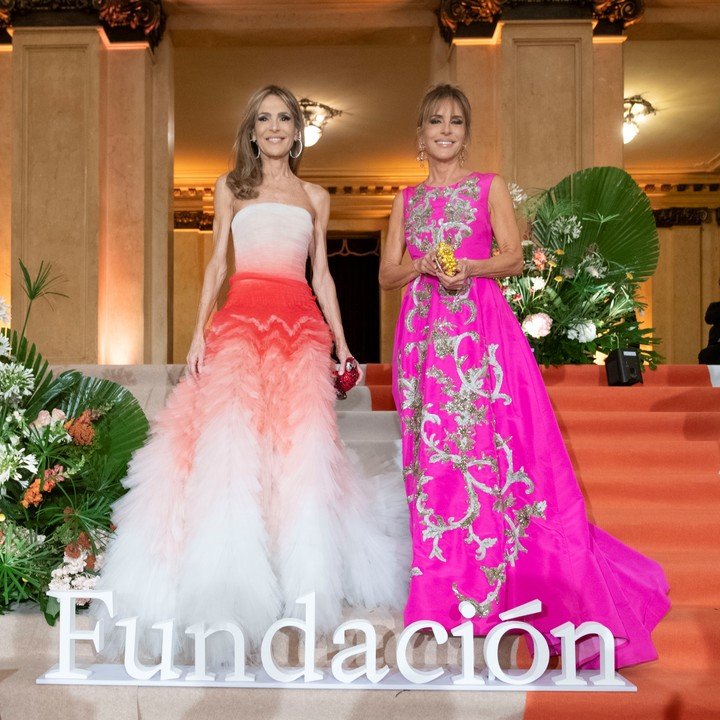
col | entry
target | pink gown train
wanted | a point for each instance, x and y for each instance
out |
(497, 517)
(243, 498)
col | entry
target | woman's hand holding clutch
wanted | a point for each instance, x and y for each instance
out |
(426, 265)
(459, 280)
(349, 373)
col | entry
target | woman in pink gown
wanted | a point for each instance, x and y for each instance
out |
(496, 515)
(243, 498)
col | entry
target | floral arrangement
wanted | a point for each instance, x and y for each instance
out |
(590, 241)
(65, 443)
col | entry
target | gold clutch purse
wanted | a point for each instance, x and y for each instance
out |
(446, 258)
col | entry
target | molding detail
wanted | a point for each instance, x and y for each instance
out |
(123, 20)
(612, 16)
(669, 217)
(192, 220)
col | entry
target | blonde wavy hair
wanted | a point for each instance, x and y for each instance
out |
(246, 174)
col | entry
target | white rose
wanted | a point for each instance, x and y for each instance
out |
(583, 332)
(538, 283)
(537, 325)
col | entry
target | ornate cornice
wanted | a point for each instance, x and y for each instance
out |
(669, 217)
(484, 14)
(122, 19)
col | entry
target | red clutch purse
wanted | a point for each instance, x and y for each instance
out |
(348, 379)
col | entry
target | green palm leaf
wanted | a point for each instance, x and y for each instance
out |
(615, 214)
(123, 426)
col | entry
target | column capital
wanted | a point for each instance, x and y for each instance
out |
(123, 20)
(478, 18)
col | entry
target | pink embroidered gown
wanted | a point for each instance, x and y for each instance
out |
(243, 498)
(496, 514)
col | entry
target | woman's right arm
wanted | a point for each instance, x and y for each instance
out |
(214, 273)
(393, 273)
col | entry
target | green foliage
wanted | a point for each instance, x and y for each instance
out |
(64, 450)
(592, 240)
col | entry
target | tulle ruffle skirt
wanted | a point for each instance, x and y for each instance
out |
(244, 498)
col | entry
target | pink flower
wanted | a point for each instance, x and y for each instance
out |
(537, 325)
(42, 419)
(539, 259)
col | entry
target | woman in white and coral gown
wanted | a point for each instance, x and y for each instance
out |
(243, 499)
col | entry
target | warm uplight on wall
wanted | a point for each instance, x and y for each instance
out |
(316, 117)
(637, 111)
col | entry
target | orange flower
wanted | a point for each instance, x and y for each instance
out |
(32, 496)
(81, 429)
(72, 550)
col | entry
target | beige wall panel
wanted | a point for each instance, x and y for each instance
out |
(608, 104)
(5, 170)
(191, 253)
(547, 104)
(678, 304)
(475, 70)
(663, 288)
(126, 186)
(687, 307)
(710, 272)
(55, 182)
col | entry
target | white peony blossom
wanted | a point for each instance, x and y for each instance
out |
(538, 283)
(4, 312)
(583, 332)
(537, 325)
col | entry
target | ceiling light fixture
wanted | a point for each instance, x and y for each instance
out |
(316, 116)
(637, 111)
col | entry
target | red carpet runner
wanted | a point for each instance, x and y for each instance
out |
(648, 460)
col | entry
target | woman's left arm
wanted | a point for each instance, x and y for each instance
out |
(509, 260)
(322, 282)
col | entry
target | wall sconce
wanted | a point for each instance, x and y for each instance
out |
(637, 111)
(316, 116)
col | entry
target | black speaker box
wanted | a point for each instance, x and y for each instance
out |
(623, 367)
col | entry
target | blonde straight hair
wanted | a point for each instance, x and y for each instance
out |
(246, 174)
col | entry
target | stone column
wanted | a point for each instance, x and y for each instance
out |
(5, 167)
(546, 108)
(475, 66)
(56, 183)
(136, 195)
(92, 185)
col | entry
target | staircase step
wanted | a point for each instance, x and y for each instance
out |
(634, 460)
(632, 427)
(671, 489)
(653, 529)
(635, 398)
(368, 425)
(694, 576)
(588, 375)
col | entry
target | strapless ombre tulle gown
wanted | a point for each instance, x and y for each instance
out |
(243, 498)
(497, 517)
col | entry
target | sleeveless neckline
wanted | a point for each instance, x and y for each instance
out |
(451, 185)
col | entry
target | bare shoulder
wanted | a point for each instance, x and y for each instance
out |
(222, 191)
(319, 197)
(498, 190)
(316, 193)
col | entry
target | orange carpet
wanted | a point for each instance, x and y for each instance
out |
(648, 460)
